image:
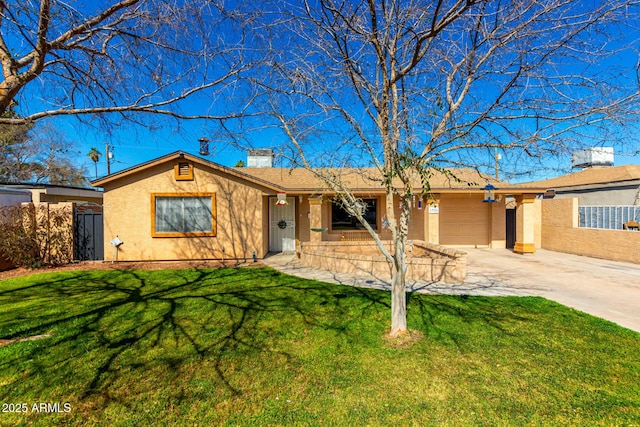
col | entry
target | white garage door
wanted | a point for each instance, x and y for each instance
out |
(464, 220)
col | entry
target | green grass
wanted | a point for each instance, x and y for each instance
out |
(250, 346)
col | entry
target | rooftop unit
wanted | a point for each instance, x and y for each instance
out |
(590, 157)
(261, 158)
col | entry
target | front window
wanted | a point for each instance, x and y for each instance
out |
(342, 220)
(177, 215)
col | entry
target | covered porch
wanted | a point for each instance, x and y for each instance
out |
(448, 218)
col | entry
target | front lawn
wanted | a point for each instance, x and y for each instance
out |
(250, 346)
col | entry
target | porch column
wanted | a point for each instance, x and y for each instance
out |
(525, 224)
(432, 219)
(315, 218)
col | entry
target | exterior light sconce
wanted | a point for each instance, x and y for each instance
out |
(282, 199)
(489, 193)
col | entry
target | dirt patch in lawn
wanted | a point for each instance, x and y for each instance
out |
(100, 265)
(32, 338)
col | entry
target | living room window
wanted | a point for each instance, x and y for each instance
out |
(342, 220)
(179, 215)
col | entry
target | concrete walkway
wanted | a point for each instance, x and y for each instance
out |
(607, 289)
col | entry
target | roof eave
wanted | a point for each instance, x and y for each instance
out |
(100, 182)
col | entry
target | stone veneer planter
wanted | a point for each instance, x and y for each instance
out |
(427, 261)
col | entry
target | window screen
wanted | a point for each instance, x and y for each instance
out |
(183, 214)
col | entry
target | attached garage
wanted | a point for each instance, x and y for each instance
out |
(465, 220)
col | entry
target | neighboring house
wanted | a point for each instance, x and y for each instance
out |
(12, 197)
(84, 207)
(51, 193)
(597, 186)
(184, 207)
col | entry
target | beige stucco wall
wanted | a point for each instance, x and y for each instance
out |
(498, 230)
(466, 221)
(303, 223)
(560, 232)
(240, 216)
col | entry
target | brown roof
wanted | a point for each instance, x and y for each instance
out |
(367, 179)
(602, 175)
(356, 179)
(238, 172)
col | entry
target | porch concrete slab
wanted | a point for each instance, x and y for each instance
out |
(606, 289)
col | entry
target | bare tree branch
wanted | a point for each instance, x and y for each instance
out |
(127, 58)
(404, 85)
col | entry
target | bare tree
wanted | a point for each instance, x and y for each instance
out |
(86, 58)
(37, 154)
(408, 86)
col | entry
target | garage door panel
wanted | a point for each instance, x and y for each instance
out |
(464, 221)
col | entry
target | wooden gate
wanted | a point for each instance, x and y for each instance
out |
(88, 233)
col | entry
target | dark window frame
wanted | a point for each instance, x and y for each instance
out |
(354, 225)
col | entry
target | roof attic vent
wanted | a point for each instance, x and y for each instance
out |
(590, 157)
(262, 158)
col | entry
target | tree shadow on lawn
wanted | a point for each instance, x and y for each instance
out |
(449, 317)
(107, 325)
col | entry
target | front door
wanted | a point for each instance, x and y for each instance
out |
(282, 225)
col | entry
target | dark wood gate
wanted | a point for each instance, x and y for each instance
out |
(511, 228)
(88, 233)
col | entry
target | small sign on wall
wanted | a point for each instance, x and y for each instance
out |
(434, 209)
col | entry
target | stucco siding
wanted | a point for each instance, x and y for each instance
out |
(465, 220)
(238, 211)
(498, 211)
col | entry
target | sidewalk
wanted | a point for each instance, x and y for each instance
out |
(606, 289)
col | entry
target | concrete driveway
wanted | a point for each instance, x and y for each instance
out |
(606, 289)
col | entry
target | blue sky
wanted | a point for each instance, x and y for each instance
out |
(134, 144)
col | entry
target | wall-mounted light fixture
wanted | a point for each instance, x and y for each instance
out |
(282, 199)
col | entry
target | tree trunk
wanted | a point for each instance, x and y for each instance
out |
(398, 294)
(398, 287)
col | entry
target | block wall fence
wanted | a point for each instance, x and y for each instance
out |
(560, 232)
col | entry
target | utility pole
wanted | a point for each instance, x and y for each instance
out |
(108, 159)
(497, 159)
